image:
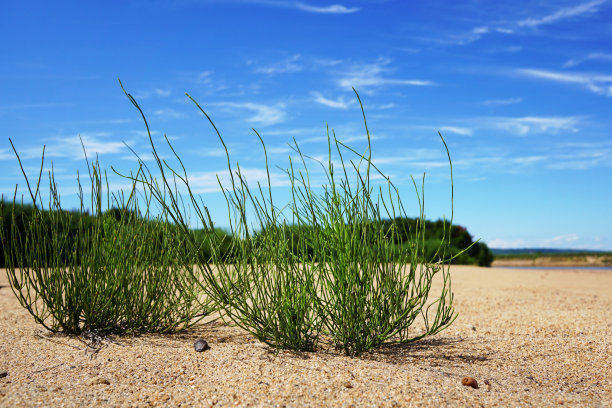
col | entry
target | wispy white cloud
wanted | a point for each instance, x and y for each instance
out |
(500, 102)
(210, 83)
(520, 26)
(554, 156)
(279, 150)
(169, 113)
(331, 9)
(33, 106)
(562, 14)
(326, 62)
(512, 48)
(457, 130)
(340, 103)
(70, 146)
(205, 77)
(5, 155)
(384, 106)
(144, 133)
(562, 239)
(364, 76)
(302, 6)
(475, 34)
(288, 65)
(93, 144)
(207, 182)
(431, 158)
(216, 152)
(146, 157)
(411, 163)
(103, 122)
(294, 131)
(596, 83)
(410, 50)
(264, 114)
(602, 56)
(509, 244)
(518, 126)
(480, 30)
(345, 140)
(561, 156)
(163, 93)
(412, 157)
(527, 160)
(582, 157)
(524, 126)
(569, 241)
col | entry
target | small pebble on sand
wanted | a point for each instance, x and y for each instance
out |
(201, 345)
(469, 382)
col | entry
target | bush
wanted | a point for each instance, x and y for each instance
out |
(340, 279)
(108, 272)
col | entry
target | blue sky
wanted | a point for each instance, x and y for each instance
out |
(522, 95)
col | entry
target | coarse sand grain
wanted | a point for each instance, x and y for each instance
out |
(528, 337)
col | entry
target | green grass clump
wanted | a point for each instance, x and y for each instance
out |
(341, 280)
(114, 271)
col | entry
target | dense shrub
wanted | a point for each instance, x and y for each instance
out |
(111, 271)
(336, 275)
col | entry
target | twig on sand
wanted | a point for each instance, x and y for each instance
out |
(57, 342)
(47, 368)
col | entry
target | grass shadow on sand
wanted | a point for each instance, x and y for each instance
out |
(441, 350)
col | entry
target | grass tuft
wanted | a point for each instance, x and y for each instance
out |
(118, 270)
(340, 281)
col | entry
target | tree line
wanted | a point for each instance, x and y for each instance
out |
(70, 226)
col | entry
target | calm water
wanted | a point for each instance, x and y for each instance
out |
(589, 268)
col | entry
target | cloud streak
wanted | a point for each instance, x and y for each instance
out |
(70, 146)
(457, 130)
(162, 93)
(207, 182)
(33, 106)
(562, 14)
(340, 103)
(374, 75)
(596, 83)
(524, 126)
(600, 56)
(518, 26)
(289, 65)
(264, 114)
(331, 9)
(301, 6)
(4, 154)
(169, 113)
(501, 102)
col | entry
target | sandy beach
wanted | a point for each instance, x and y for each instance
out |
(528, 337)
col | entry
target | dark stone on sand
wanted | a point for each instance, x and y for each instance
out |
(201, 345)
(3, 374)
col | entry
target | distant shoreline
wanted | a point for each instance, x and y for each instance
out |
(593, 260)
